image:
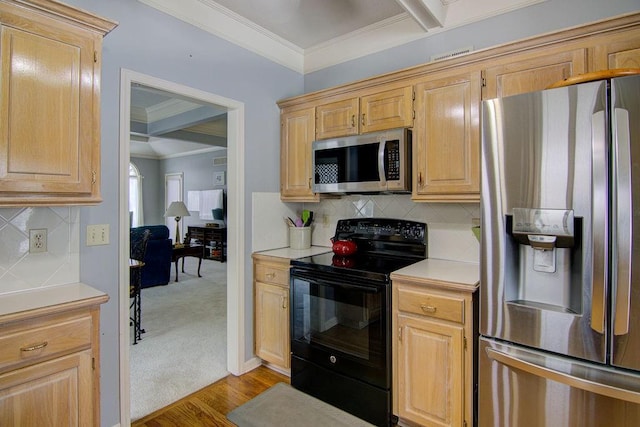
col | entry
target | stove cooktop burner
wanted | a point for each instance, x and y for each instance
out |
(384, 246)
(375, 267)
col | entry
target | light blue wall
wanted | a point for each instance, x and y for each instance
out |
(153, 43)
(198, 175)
(197, 170)
(541, 18)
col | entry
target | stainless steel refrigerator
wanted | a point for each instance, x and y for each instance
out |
(560, 257)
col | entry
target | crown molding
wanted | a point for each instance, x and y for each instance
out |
(220, 21)
(395, 31)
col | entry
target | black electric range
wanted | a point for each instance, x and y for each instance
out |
(341, 316)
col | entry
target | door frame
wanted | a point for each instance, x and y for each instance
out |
(236, 348)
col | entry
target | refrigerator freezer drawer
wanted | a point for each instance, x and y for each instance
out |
(522, 387)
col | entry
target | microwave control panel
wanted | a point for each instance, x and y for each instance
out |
(392, 160)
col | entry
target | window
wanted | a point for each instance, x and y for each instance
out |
(136, 217)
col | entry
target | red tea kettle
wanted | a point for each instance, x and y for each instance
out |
(344, 247)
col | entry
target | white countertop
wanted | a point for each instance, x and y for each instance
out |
(295, 253)
(34, 299)
(442, 272)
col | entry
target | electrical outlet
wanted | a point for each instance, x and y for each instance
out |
(38, 240)
(97, 234)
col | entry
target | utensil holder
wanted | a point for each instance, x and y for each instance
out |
(299, 237)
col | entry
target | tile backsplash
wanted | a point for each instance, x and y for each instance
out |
(449, 224)
(21, 270)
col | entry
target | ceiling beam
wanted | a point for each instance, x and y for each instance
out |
(427, 13)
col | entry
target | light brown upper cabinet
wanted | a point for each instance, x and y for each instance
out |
(339, 118)
(532, 71)
(384, 110)
(297, 132)
(620, 50)
(49, 104)
(446, 138)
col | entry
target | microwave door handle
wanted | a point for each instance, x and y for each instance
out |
(622, 228)
(599, 222)
(381, 172)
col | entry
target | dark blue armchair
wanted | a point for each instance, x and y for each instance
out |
(157, 259)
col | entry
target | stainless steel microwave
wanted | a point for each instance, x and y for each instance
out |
(373, 163)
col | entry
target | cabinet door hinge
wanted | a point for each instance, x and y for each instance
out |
(465, 343)
(413, 95)
(95, 56)
(93, 177)
(93, 363)
(464, 423)
(483, 79)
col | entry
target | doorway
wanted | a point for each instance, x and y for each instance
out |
(235, 224)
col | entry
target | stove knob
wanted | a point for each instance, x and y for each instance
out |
(332, 359)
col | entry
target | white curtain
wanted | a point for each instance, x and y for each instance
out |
(209, 200)
(135, 197)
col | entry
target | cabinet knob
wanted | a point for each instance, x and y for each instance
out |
(270, 275)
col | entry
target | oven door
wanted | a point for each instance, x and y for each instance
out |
(342, 324)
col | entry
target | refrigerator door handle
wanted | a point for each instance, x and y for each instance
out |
(564, 378)
(599, 219)
(623, 226)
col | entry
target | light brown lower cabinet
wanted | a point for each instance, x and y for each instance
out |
(271, 312)
(49, 365)
(433, 344)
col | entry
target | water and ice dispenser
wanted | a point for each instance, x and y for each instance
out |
(543, 249)
(544, 230)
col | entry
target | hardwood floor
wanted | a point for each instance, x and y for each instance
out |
(209, 406)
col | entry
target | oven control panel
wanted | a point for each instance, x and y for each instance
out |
(382, 229)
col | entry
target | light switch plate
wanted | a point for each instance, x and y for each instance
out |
(97, 234)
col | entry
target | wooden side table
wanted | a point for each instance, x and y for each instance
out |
(186, 250)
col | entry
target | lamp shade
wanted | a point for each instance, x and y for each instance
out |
(177, 209)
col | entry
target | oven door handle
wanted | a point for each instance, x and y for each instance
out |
(334, 284)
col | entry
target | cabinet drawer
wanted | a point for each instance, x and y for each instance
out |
(432, 305)
(44, 340)
(271, 274)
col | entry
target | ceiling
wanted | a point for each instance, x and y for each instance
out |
(308, 35)
(304, 35)
(165, 124)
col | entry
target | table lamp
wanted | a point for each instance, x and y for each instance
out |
(177, 210)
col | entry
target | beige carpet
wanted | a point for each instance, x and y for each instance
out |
(283, 405)
(184, 347)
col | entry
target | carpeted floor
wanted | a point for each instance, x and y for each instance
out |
(284, 406)
(184, 347)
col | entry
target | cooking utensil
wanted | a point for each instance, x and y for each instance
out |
(304, 216)
(309, 220)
